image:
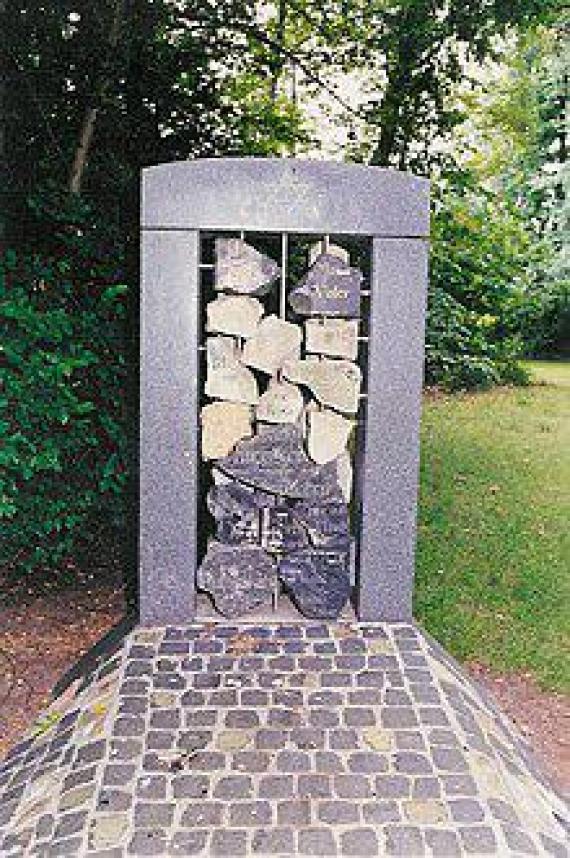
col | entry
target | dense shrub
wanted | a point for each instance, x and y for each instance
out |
(482, 266)
(62, 403)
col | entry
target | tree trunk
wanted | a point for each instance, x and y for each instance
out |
(101, 85)
(277, 62)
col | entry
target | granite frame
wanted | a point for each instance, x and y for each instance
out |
(279, 195)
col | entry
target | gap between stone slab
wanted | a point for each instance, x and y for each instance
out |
(285, 611)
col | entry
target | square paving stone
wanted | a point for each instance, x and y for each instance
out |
(365, 762)
(466, 810)
(459, 785)
(397, 717)
(316, 841)
(338, 812)
(151, 814)
(151, 786)
(479, 839)
(314, 786)
(203, 814)
(352, 786)
(328, 762)
(251, 761)
(150, 842)
(293, 761)
(274, 841)
(426, 788)
(117, 774)
(70, 823)
(443, 842)
(276, 786)
(410, 763)
(343, 740)
(449, 760)
(359, 841)
(228, 842)
(381, 812)
(113, 800)
(392, 786)
(188, 842)
(190, 786)
(234, 786)
(251, 813)
(295, 813)
(404, 840)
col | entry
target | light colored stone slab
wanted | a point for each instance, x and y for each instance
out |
(223, 425)
(334, 382)
(281, 403)
(242, 268)
(327, 436)
(378, 738)
(236, 315)
(334, 337)
(332, 249)
(274, 342)
(345, 474)
(226, 377)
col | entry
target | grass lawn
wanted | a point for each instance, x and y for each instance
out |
(493, 561)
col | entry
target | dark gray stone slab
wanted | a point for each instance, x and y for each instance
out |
(330, 288)
(239, 578)
(326, 523)
(318, 581)
(275, 461)
(242, 268)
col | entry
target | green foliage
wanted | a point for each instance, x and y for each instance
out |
(492, 571)
(62, 404)
(481, 273)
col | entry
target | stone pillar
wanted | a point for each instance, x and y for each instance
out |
(169, 414)
(388, 468)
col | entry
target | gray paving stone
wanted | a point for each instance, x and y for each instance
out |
(409, 740)
(404, 840)
(118, 774)
(458, 785)
(254, 697)
(381, 812)
(426, 788)
(411, 763)
(284, 718)
(148, 842)
(518, 841)
(203, 814)
(190, 786)
(70, 823)
(503, 811)
(276, 786)
(247, 813)
(397, 717)
(433, 716)
(266, 739)
(359, 716)
(323, 718)
(314, 786)
(479, 839)
(296, 813)
(151, 786)
(160, 740)
(326, 698)
(328, 761)
(443, 843)
(152, 814)
(188, 842)
(352, 786)
(336, 680)
(316, 841)
(392, 786)
(92, 752)
(275, 841)
(359, 841)
(234, 786)
(114, 800)
(466, 810)
(343, 740)
(338, 812)
(251, 761)
(293, 761)
(449, 760)
(242, 718)
(308, 738)
(365, 762)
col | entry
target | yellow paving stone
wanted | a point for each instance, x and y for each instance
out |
(233, 740)
(108, 831)
(425, 812)
(378, 739)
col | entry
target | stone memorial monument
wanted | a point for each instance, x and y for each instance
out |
(280, 401)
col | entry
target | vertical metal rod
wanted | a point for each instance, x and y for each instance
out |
(326, 242)
(242, 234)
(283, 289)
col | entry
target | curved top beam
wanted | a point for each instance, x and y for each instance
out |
(285, 195)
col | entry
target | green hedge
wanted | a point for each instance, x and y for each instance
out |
(62, 406)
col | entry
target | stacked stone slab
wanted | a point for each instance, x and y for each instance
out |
(269, 476)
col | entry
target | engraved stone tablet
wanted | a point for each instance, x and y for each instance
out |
(274, 461)
(281, 403)
(280, 532)
(326, 524)
(226, 377)
(223, 425)
(241, 268)
(317, 580)
(238, 577)
(237, 315)
(328, 434)
(330, 288)
(335, 337)
(274, 342)
(334, 382)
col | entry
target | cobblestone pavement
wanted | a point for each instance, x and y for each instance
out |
(309, 739)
